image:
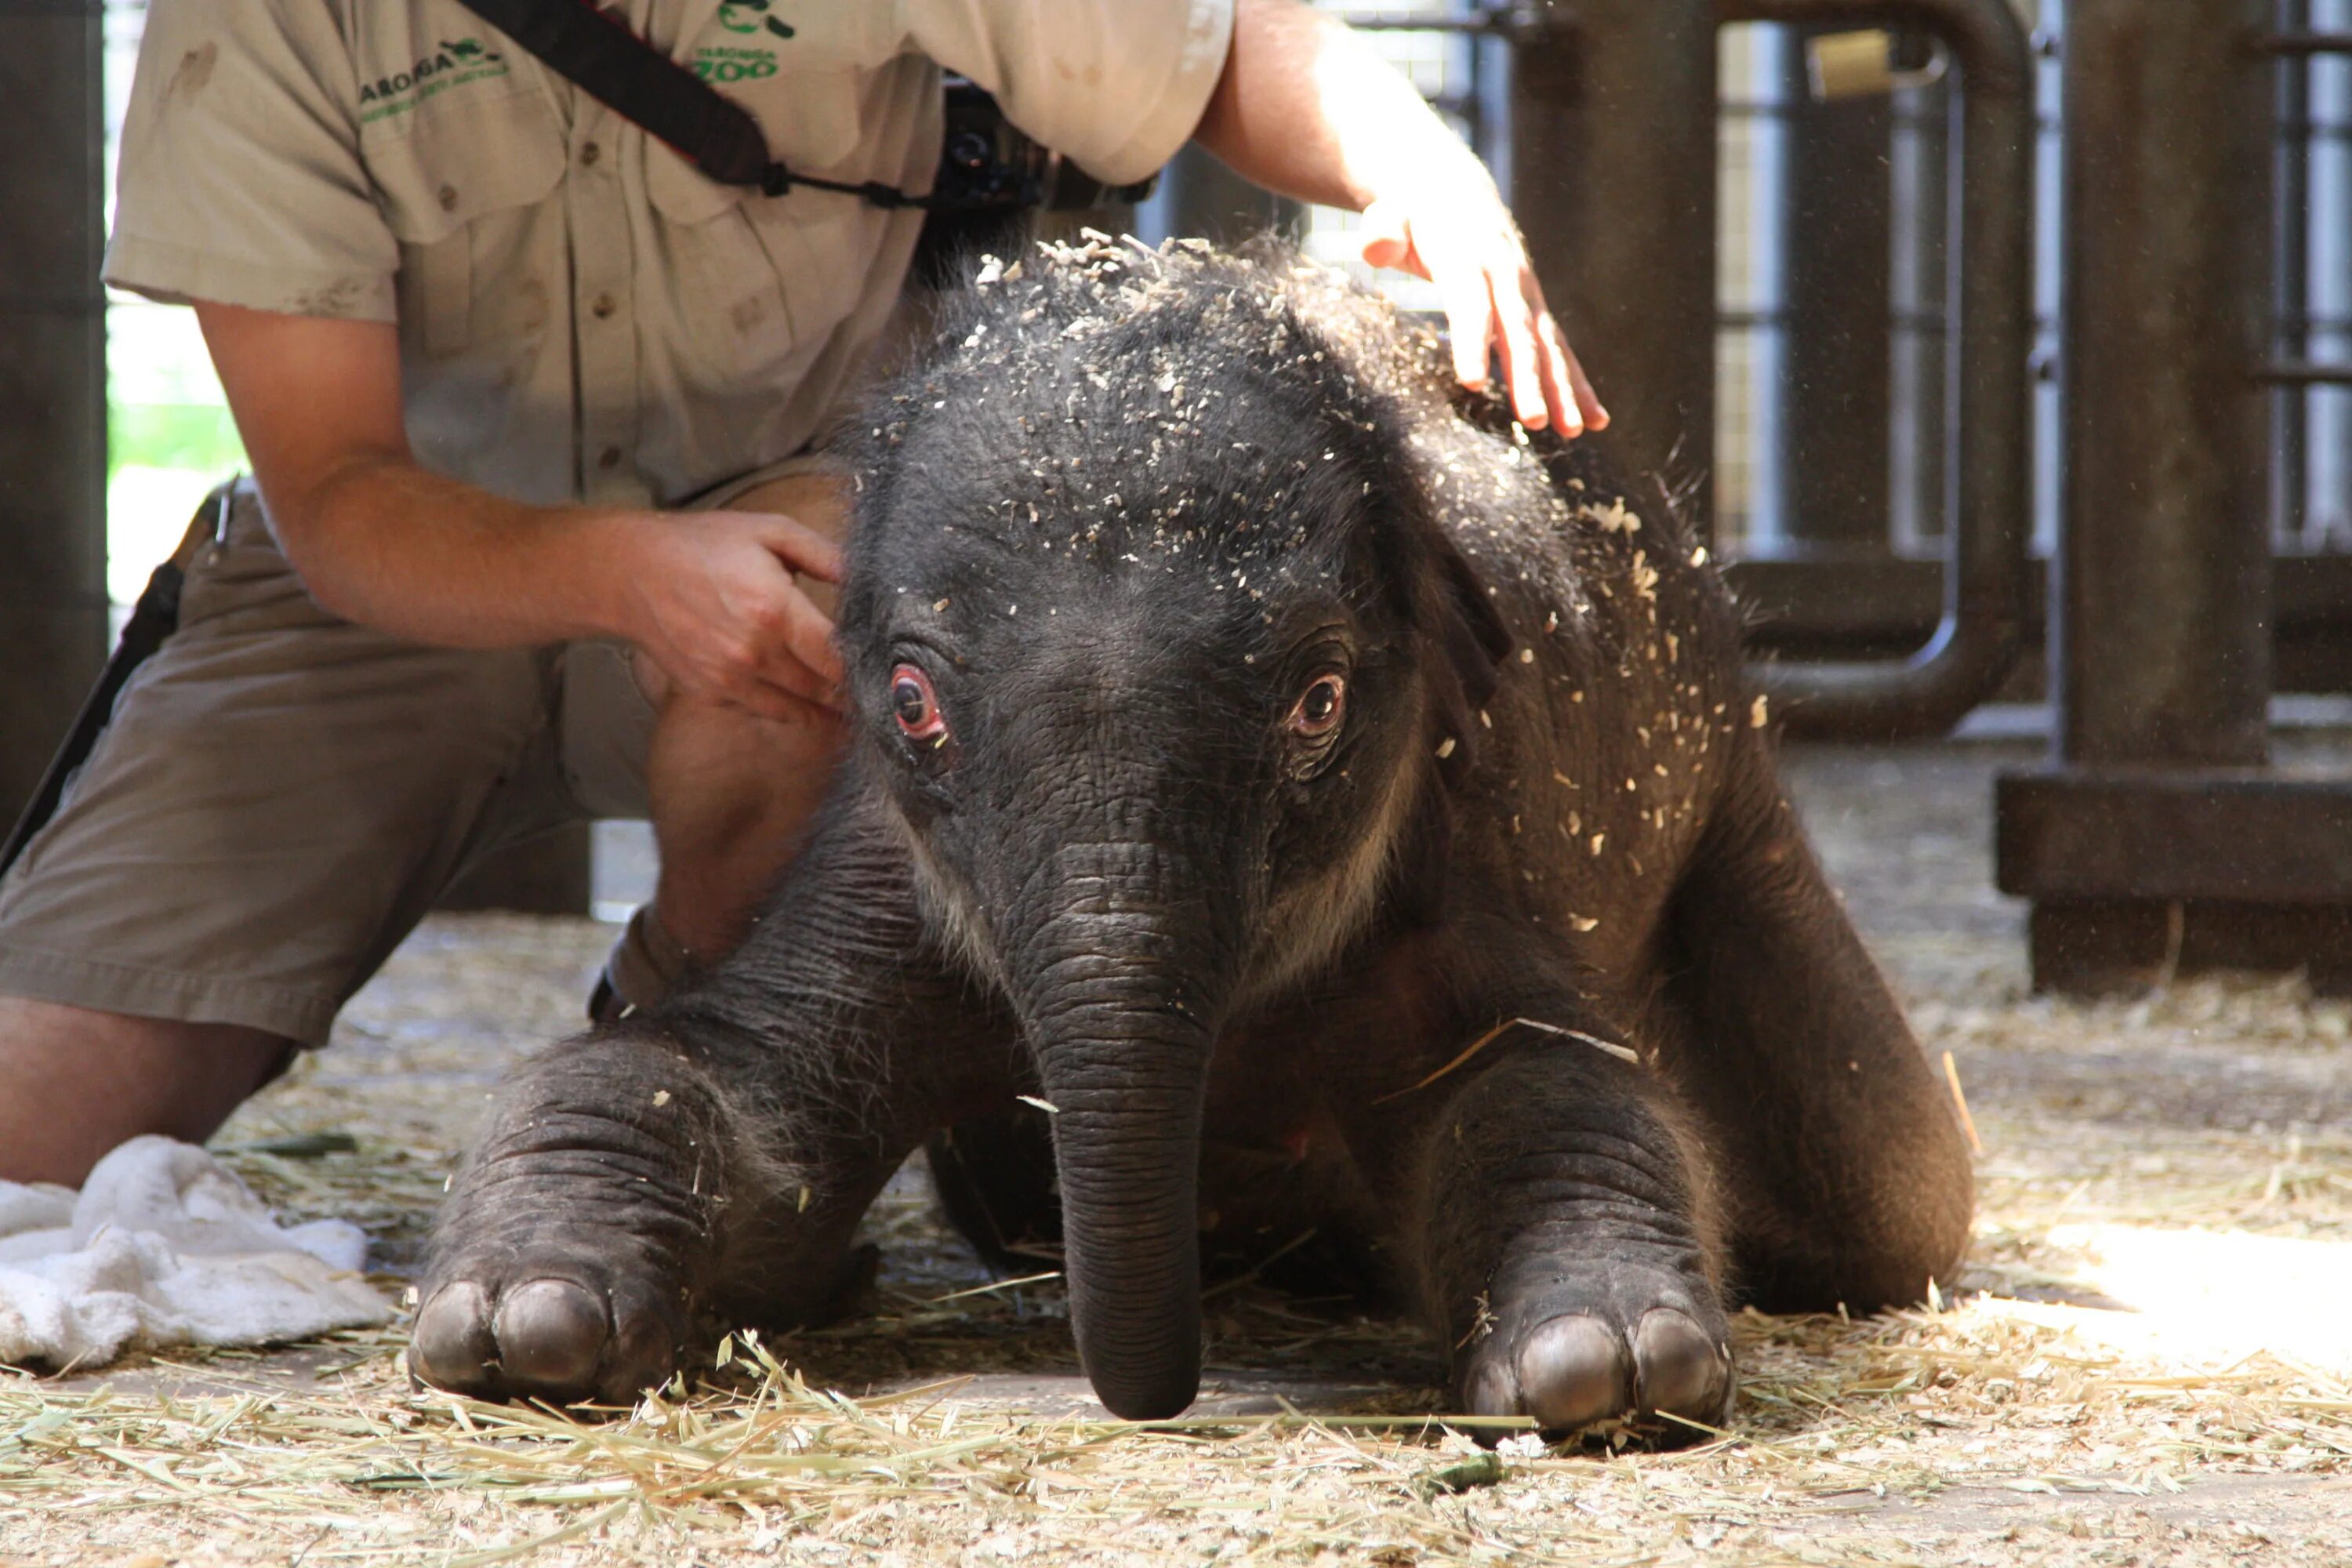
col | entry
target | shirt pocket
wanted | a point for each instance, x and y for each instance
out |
(450, 167)
(734, 297)
(816, 122)
(762, 274)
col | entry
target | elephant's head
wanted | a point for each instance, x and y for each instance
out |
(1155, 648)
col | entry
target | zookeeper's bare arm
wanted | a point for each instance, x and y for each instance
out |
(382, 541)
(1305, 108)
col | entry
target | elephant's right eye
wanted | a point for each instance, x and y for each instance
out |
(917, 706)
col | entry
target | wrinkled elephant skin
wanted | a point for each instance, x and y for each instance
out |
(1247, 726)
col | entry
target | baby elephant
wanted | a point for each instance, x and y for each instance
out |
(1333, 807)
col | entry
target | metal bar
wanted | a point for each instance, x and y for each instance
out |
(2304, 44)
(1489, 23)
(61, 305)
(2170, 834)
(1836, 359)
(1612, 158)
(1479, 58)
(2128, 945)
(2161, 650)
(2330, 413)
(1922, 349)
(2303, 373)
(2154, 840)
(1492, 27)
(1979, 638)
(2320, 131)
(53, 609)
(1898, 600)
(1901, 320)
(2290, 289)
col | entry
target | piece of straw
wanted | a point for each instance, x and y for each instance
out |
(1952, 1076)
(1623, 1053)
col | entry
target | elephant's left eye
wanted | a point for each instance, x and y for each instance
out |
(1319, 709)
(916, 706)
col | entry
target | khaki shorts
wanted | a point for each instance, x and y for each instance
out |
(282, 794)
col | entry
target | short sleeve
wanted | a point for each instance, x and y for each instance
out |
(1117, 85)
(241, 179)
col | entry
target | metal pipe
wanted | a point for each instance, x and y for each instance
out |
(53, 607)
(1836, 356)
(1919, 288)
(1613, 151)
(2302, 373)
(1982, 632)
(2160, 645)
(2291, 285)
(2297, 43)
(1613, 159)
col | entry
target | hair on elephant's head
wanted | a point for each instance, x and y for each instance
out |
(1155, 647)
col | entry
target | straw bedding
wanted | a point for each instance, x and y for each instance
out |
(2027, 1418)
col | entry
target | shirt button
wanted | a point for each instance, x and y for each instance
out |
(605, 306)
(610, 458)
(449, 199)
(589, 154)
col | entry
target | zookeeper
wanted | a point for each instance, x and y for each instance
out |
(535, 531)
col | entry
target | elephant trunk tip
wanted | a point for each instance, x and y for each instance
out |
(1132, 1391)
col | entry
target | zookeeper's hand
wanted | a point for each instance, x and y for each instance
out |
(716, 606)
(1451, 226)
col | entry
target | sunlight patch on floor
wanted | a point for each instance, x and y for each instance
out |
(2202, 1298)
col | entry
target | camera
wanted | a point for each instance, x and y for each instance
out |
(987, 166)
(991, 178)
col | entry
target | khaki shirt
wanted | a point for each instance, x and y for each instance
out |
(581, 315)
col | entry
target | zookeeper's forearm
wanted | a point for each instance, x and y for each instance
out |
(1307, 107)
(379, 540)
(709, 595)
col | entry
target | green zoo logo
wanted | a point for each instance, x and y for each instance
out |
(453, 64)
(734, 64)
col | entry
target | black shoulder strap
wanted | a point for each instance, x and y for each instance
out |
(641, 84)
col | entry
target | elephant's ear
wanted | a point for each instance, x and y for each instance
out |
(1470, 643)
(1467, 641)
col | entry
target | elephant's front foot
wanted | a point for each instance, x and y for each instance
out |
(1588, 1335)
(577, 1244)
(525, 1330)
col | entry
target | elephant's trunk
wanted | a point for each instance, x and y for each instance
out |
(1127, 1141)
(1121, 1023)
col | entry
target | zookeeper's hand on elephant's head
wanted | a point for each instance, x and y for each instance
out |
(1454, 230)
(1308, 107)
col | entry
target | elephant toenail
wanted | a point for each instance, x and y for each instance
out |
(1572, 1373)
(641, 1358)
(551, 1335)
(452, 1347)
(1677, 1368)
(1490, 1390)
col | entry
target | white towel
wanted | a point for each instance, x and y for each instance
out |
(163, 1247)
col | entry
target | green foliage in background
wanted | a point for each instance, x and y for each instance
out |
(172, 436)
